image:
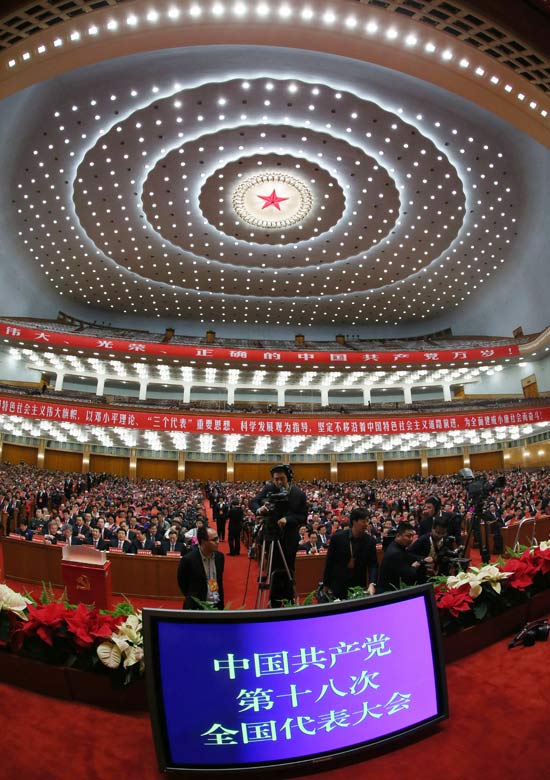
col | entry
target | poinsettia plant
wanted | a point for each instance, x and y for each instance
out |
(124, 648)
(55, 631)
(486, 591)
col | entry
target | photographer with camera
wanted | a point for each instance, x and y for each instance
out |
(399, 565)
(439, 545)
(281, 508)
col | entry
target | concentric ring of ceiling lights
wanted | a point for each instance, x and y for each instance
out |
(153, 205)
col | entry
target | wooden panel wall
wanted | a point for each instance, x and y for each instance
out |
(63, 460)
(538, 455)
(447, 464)
(350, 472)
(110, 464)
(251, 472)
(310, 471)
(15, 453)
(485, 461)
(395, 469)
(205, 470)
(152, 468)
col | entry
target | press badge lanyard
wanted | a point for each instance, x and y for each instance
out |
(210, 571)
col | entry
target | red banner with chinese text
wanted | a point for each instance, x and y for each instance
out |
(115, 417)
(17, 333)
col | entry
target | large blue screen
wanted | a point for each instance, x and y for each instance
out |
(259, 691)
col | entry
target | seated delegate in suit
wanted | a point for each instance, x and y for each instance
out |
(172, 544)
(24, 531)
(312, 546)
(81, 531)
(96, 541)
(121, 542)
(200, 572)
(69, 537)
(142, 541)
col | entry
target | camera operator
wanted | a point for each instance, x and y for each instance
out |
(282, 508)
(399, 565)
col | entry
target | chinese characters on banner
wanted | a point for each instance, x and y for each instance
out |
(295, 687)
(19, 333)
(115, 417)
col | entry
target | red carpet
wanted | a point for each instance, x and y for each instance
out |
(500, 717)
(499, 702)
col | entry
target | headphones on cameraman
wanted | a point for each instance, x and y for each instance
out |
(535, 631)
(283, 467)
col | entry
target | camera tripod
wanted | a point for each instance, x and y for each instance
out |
(267, 575)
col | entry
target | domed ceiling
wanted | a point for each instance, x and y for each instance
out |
(258, 184)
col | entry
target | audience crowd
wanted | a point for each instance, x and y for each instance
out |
(162, 516)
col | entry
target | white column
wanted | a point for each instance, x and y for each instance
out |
(366, 396)
(324, 396)
(447, 393)
(186, 394)
(59, 381)
(143, 390)
(100, 384)
(231, 394)
(280, 396)
(407, 393)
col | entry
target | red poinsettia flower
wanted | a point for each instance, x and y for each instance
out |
(45, 620)
(455, 600)
(541, 560)
(88, 625)
(522, 570)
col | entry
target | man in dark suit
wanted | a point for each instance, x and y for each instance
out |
(285, 516)
(142, 541)
(430, 511)
(24, 531)
(121, 542)
(236, 517)
(200, 572)
(96, 541)
(69, 537)
(429, 546)
(399, 566)
(81, 531)
(172, 544)
(221, 513)
(351, 557)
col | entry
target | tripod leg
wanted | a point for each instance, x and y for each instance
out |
(264, 574)
(283, 578)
